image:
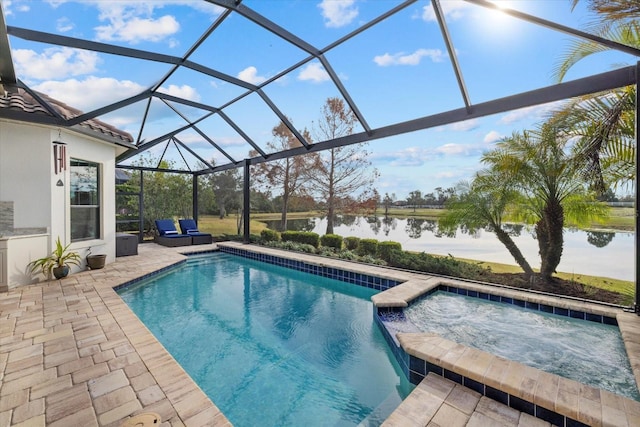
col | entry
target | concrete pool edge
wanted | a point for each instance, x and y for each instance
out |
(556, 399)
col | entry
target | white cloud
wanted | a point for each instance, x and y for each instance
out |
(54, 62)
(137, 29)
(8, 6)
(536, 112)
(452, 149)
(414, 58)
(228, 141)
(250, 75)
(313, 72)
(90, 93)
(64, 25)
(410, 156)
(492, 136)
(184, 91)
(452, 9)
(465, 125)
(338, 13)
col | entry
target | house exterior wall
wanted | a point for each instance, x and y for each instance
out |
(40, 205)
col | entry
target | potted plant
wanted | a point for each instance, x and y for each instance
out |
(57, 263)
(95, 262)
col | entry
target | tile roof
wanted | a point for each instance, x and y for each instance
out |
(22, 101)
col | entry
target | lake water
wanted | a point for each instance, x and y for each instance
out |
(590, 253)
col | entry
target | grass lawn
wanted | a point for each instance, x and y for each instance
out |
(227, 226)
(624, 287)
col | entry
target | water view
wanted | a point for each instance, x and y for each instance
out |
(594, 253)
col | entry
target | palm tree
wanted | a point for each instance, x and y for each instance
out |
(603, 122)
(546, 174)
(483, 204)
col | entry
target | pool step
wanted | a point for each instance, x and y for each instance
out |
(377, 416)
(437, 401)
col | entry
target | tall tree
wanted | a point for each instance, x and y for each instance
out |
(387, 202)
(338, 174)
(415, 199)
(227, 190)
(603, 123)
(540, 166)
(165, 195)
(484, 204)
(287, 174)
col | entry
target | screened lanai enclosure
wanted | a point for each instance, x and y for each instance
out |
(200, 86)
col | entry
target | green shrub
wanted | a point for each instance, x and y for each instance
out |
(329, 252)
(446, 266)
(304, 237)
(331, 241)
(269, 235)
(368, 247)
(385, 248)
(351, 243)
(370, 259)
(292, 246)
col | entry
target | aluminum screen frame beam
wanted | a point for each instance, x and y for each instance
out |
(437, 9)
(7, 71)
(558, 27)
(598, 83)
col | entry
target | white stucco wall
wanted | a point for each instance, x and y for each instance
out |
(28, 179)
(25, 172)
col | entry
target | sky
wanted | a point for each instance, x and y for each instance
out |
(395, 71)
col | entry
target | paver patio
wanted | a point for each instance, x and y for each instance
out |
(72, 353)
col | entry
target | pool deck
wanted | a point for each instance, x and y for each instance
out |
(73, 354)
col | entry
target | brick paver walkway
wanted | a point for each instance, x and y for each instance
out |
(73, 354)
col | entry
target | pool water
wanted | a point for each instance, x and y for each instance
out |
(589, 352)
(273, 346)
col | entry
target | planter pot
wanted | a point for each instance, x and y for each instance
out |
(96, 262)
(60, 272)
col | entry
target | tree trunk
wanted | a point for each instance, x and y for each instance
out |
(286, 192)
(508, 242)
(330, 215)
(285, 207)
(223, 210)
(550, 238)
(331, 209)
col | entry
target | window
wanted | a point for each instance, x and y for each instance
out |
(85, 200)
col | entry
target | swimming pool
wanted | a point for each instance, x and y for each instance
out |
(273, 346)
(588, 352)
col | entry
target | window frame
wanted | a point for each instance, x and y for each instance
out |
(92, 209)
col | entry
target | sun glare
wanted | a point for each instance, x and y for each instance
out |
(495, 21)
(502, 4)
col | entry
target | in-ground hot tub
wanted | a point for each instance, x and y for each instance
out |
(591, 352)
(554, 398)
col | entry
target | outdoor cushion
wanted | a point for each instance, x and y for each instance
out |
(189, 227)
(166, 227)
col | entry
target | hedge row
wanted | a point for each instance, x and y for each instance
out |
(363, 247)
(372, 251)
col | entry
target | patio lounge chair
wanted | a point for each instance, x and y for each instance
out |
(189, 226)
(169, 236)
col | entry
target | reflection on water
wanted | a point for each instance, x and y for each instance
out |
(599, 239)
(585, 252)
